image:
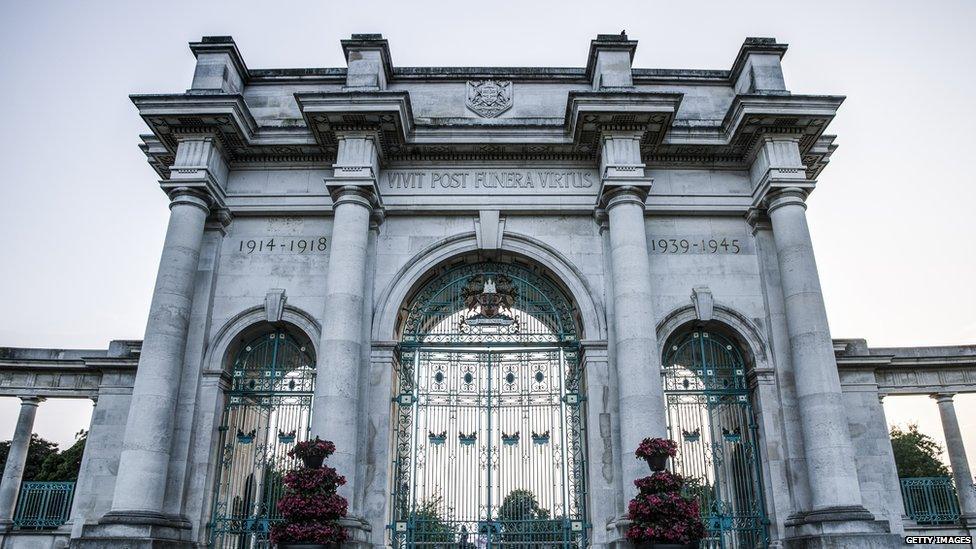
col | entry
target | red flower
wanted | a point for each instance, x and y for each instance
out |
(660, 513)
(656, 447)
(310, 506)
(312, 448)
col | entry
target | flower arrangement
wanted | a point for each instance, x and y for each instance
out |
(656, 447)
(310, 506)
(312, 452)
(660, 513)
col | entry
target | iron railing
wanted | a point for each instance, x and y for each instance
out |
(43, 505)
(930, 500)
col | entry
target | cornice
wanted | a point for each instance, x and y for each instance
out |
(588, 114)
(666, 141)
(734, 142)
(387, 113)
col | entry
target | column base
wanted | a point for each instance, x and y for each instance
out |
(358, 531)
(847, 527)
(136, 530)
(617, 533)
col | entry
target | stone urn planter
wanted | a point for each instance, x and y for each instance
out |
(312, 462)
(657, 462)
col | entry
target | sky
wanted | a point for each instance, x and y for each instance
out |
(82, 218)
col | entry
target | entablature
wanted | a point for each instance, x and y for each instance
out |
(909, 370)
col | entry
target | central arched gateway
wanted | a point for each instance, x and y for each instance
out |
(489, 442)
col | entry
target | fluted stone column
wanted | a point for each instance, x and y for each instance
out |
(13, 471)
(144, 460)
(829, 456)
(957, 457)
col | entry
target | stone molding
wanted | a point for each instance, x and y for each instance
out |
(909, 371)
(406, 280)
(40, 373)
(387, 114)
(222, 339)
(739, 324)
(731, 143)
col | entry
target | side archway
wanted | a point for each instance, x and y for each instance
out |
(263, 410)
(709, 396)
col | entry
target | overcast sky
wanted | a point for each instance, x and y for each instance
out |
(82, 217)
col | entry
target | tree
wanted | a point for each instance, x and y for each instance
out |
(64, 466)
(524, 522)
(916, 454)
(430, 528)
(37, 452)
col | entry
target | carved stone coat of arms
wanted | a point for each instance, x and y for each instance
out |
(489, 98)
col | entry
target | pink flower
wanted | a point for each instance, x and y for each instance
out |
(656, 447)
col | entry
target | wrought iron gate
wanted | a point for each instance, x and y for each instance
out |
(267, 412)
(710, 416)
(489, 441)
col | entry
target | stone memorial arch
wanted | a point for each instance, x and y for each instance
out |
(486, 285)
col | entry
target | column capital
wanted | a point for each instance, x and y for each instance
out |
(942, 397)
(189, 196)
(354, 194)
(31, 400)
(777, 165)
(788, 196)
(201, 166)
(623, 194)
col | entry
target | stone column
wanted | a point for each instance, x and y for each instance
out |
(335, 405)
(336, 397)
(141, 483)
(957, 458)
(834, 489)
(641, 399)
(13, 471)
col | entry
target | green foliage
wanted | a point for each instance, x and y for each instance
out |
(64, 466)
(37, 453)
(525, 523)
(916, 454)
(430, 526)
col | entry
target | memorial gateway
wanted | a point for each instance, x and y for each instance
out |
(486, 284)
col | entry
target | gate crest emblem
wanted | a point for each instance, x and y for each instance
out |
(489, 98)
(489, 297)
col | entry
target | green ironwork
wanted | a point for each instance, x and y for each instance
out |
(930, 500)
(489, 441)
(710, 416)
(266, 412)
(43, 505)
